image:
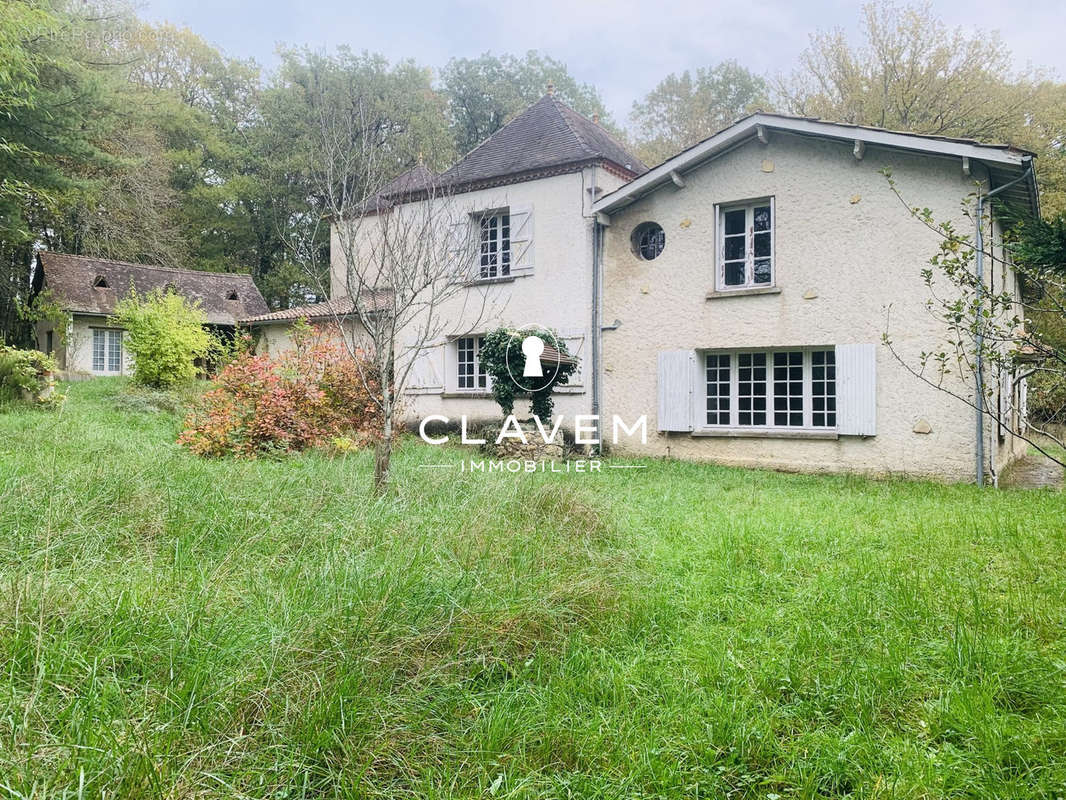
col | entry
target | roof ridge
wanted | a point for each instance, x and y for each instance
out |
(211, 272)
(492, 135)
(559, 105)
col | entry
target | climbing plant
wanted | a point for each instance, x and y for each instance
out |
(502, 358)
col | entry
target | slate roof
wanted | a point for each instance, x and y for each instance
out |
(546, 136)
(328, 309)
(71, 279)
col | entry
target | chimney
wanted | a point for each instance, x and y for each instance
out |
(551, 88)
(596, 119)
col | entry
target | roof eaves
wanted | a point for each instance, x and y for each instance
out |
(746, 128)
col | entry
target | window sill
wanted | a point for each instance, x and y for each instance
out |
(717, 294)
(467, 395)
(764, 433)
(490, 281)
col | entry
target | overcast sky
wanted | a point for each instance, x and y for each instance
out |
(623, 47)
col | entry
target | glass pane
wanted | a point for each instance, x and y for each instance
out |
(734, 221)
(734, 248)
(734, 273)
(762, 270)
(762, 218)
(762, 245)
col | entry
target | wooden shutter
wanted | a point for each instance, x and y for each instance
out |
(522, 240)
(677, 372)
(461, 248)
(575, 345)
(856, 371)
(427, 372)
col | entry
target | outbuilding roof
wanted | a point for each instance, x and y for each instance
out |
(87, 285)
(328, 309)
(1004, 162)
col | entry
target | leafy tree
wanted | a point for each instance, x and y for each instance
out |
(684, 109)
(484, 93)
(912, 72)
(165, 334)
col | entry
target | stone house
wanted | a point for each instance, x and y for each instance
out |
(735, 296)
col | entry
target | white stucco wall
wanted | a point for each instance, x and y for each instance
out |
(77, 353)
(846, 253)
(557, 294)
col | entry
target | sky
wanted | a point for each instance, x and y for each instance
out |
(623, 47)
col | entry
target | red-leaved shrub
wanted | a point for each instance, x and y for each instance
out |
(303, 398)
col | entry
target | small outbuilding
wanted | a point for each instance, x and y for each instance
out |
(87, 290)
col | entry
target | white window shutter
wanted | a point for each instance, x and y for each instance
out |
(461, 247)
(575, 345)
(427, 372)
(521, 240)
(677, 371)
(856, 373)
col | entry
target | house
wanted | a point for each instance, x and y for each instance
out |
(88, 289)
(735, 296)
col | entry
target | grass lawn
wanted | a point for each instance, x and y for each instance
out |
(174, 627)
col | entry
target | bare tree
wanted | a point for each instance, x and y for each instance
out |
(403, 253)
(991, 342)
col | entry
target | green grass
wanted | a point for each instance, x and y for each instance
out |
(173, 627)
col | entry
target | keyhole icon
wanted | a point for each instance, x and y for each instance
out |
(532, 347)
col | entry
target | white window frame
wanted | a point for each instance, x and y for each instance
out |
(479, 371)
(748, 206)
(111, 365)
(500, 247)
(807, 426)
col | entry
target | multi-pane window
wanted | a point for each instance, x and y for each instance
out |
(823, 389)
(718, 389)
(107, 350)
(788, 388)
(746, 245)
(776, 389)
(495, 254)
(472, 375)
(751, 388)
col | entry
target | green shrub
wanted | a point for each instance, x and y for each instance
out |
(501, 357)
(165, 334)
(25, 374)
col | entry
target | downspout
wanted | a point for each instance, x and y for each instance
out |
(597, 267)
(979, 338)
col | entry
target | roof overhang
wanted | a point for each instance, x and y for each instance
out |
(1004, 163)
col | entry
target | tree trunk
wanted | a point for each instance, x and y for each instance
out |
(382, 457)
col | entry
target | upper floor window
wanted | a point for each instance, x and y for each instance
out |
(746, 245)
(495, 246)
(648, 240)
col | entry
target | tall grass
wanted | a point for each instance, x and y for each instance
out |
(173, 627)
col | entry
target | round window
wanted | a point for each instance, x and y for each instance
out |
(648, 240)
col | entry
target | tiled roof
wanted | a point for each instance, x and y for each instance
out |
(547, 135)
(338, 307)
(73, 280)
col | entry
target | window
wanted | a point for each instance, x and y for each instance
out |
(495, 246)
(107, 350)
(472, 377)
(746, 245)
(100, 282)
(49, 342)
(776, 389)
(648, 240)
(232, 296)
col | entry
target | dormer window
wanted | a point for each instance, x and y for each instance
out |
(100, 282)
(232, 296)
